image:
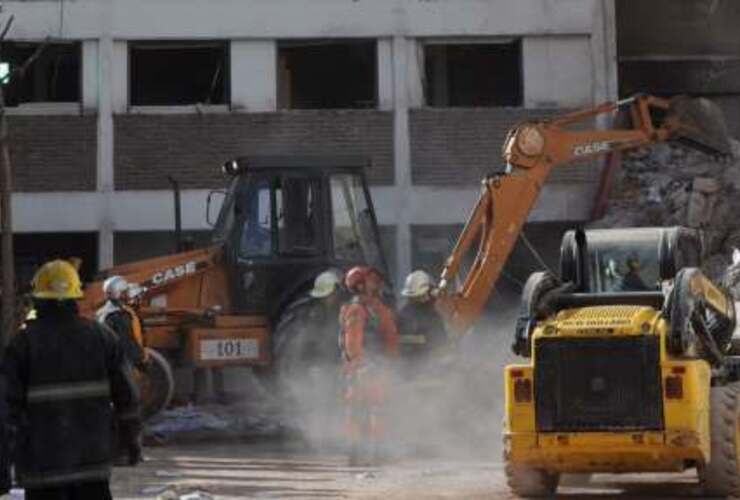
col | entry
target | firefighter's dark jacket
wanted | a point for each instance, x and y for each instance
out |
(62, 374)
(4, 443)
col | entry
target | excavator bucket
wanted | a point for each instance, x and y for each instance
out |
(698, 123)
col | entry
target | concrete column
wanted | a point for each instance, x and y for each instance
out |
(118, 79)
(402, 154)
(557, 71)
(89, 76)
(385, 74)
(254, 75)
(105, 174)
(604, 54)
(414, 73)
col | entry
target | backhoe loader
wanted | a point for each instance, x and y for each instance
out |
(282, 221)
(285, 220)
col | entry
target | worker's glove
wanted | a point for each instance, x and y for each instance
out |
(130, 431)
(135, 454)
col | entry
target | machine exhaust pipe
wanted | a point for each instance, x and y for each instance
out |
(179, 244)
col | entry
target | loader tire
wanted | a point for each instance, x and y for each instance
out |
(528, 482)
(721, 476)
(156, 384)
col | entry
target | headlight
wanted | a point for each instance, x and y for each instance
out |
(530, 140)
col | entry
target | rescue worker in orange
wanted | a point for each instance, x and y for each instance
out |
(369, 342)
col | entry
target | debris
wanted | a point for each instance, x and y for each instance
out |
(366, 475)
(167, 473)
(702, 202)
(206, 421)
(196, 495)
(668, 185)
(17, 494)
(153, 490)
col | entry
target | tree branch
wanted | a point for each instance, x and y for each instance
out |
(7, 27)
(21, 71)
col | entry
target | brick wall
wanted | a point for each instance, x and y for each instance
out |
(53, 153)
(192, 147)
(132, 246)
(460, 146)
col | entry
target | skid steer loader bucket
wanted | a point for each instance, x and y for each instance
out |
(699, 124)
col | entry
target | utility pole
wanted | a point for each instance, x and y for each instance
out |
(6, 220)
(7, 302)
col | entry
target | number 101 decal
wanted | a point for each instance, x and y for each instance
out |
(229, 349)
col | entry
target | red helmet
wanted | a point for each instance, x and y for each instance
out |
(358, 275)
(355, 277)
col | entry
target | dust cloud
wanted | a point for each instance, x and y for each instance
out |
(450, 408)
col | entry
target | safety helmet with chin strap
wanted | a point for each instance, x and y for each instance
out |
(115, 287)
(417, 284)
(325, 284)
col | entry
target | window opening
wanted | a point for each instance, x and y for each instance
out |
(178, 73)
(55, 76)
(475, 74)
(318, 74)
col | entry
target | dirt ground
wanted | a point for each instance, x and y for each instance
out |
(277, 469)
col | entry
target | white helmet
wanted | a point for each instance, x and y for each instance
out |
(114, 287)
(325, 284)
(417, 284)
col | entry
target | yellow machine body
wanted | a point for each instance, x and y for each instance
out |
(682, 442)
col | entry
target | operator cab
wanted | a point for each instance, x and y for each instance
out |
(284, 220)
(628, 260)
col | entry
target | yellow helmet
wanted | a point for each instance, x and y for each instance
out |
(58, 280)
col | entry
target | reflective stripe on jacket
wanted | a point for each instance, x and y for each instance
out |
(62, 375)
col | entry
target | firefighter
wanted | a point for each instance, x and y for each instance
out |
(369, 343)
(323, 313)
(120, 317)
(422, 329)
(66, 379)
(5, 481)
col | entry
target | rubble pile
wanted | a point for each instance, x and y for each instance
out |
(190, 423)
(669, 185)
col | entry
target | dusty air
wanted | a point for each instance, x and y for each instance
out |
(398, 249)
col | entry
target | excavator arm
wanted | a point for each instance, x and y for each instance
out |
(530, 152)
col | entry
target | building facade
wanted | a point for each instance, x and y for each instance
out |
(129, 92)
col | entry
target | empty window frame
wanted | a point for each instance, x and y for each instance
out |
(178, 73)
(323, 74)
(473, 74)
(54, 76)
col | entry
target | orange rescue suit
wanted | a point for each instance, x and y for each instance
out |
(369, 340)
(369, 332)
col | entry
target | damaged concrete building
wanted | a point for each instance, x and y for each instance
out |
(134, 91)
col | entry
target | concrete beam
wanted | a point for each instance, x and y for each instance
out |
(139, 19)
(153, 210)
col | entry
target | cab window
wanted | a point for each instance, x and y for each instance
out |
(630, 267)
(256, 238)
(298, 211)
(353, 228)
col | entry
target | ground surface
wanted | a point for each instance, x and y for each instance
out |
(290, 471)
